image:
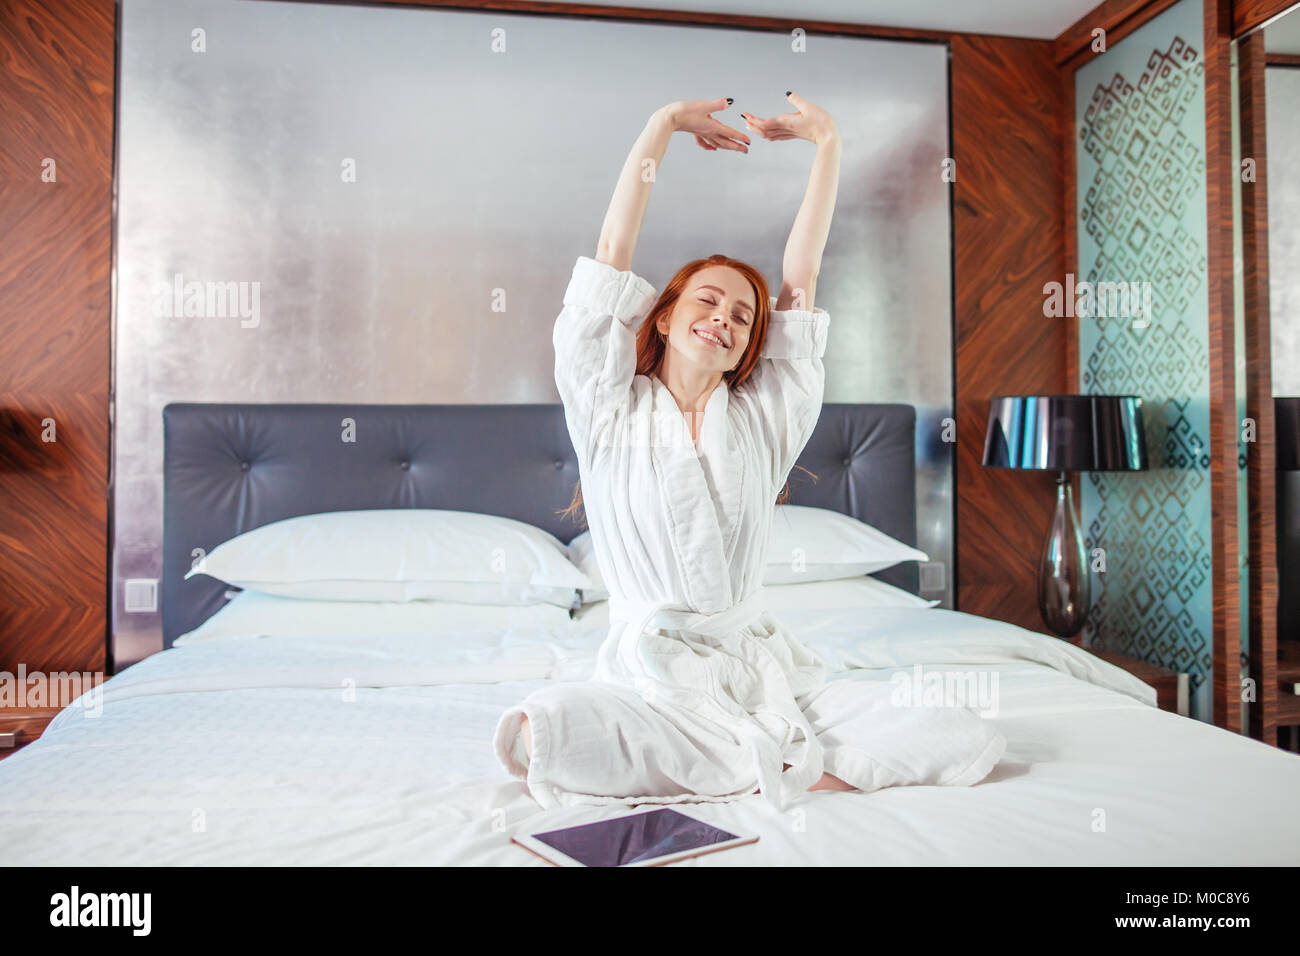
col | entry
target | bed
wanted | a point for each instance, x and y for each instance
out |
(275, 743)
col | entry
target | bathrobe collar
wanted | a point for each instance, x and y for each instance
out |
(691, 504)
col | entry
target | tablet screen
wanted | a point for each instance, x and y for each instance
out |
(633, 839)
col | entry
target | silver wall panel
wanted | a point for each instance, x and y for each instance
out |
(1282, 106)
(486, 146)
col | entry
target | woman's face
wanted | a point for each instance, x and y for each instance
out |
(710, 324)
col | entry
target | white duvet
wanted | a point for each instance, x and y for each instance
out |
(376, 749)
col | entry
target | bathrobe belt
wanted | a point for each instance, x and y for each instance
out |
(640, 614)
(777, 787)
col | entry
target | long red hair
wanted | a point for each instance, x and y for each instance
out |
(651, 345)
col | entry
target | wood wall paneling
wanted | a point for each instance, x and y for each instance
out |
(55, 314)
(1118, 18)
(1008, 122)
(1248, 14)
(1069, 167)
(1226, 567)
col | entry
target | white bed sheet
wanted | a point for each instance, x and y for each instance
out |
(376, 749)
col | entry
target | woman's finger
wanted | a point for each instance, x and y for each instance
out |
(703, 142)
(781, 127)
(767, 128)
(728, 138)
(723, 140)
(730, 133)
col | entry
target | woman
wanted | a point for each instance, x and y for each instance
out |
(687, 412)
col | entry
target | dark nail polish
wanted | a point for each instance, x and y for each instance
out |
(730, 101)
(788, 92)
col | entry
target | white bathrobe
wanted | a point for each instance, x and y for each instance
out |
(699, 694)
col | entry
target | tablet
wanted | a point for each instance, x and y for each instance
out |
(647, 837)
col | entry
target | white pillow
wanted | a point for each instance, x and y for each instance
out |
(863, 592)
(252, 614)
(400, 554)
(838, 595)
(817, 544)
(807, 544)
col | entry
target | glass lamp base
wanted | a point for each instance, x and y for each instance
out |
(1063, 582)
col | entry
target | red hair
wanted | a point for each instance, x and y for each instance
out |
(651, 344)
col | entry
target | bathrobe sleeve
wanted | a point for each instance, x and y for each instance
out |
(784, 392)
(595, 348)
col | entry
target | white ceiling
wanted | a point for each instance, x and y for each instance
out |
(1043, 19)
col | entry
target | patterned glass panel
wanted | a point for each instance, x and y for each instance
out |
(1140, 152)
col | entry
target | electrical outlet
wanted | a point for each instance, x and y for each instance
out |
(932, 576)
(141, 596)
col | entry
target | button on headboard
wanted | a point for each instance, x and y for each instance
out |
(229, 468)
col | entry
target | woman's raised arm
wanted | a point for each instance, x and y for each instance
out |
(803, 250)
(622, 225)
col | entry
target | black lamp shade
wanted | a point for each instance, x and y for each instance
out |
(1066, 433)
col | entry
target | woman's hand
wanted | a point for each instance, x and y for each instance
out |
(692, 116)
(810, 122)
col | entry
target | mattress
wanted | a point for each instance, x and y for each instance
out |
(375, 748)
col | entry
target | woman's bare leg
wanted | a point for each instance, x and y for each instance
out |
(831, 782)
(828, 782)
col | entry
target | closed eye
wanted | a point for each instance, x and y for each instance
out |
(738, 316)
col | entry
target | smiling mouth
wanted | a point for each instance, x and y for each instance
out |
(711, 338)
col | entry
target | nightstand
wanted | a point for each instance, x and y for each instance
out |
(21, 725)
(1164, 680)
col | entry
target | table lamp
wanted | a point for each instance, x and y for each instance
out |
(1065, 433)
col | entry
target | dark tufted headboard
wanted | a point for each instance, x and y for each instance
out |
(230, 468)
